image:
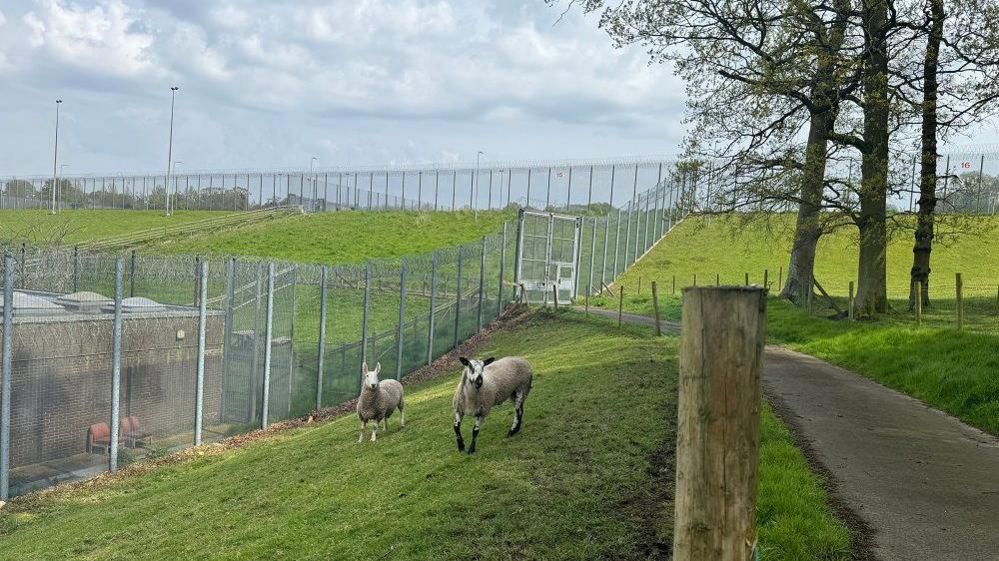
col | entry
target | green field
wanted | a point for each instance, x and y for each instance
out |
(950, 370)
(343, 237)
(331, 238)
(38, 227)
(590, 477)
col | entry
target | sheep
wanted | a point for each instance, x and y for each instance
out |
(487, 383)
(378, 400)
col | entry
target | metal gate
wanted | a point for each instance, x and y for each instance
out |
(548, 256)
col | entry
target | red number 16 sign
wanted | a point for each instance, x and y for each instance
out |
(965, 165)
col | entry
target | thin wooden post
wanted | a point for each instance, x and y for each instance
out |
(655, 306)
(717, 279)
(718, 434)
(766, 279)
(959, 285)
(695, 279)
(849, 310)
(673, 292)
(620, 308)
(780, 279)
(747, 279)
(587, 300)
(919, 303)
(555, 293)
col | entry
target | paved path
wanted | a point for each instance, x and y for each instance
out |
(925, 483)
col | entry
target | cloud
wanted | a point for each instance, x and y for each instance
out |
(107, 39)
(368, 79)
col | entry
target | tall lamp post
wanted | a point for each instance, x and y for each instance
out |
(173, 98)
(55, 158)
(476, 191)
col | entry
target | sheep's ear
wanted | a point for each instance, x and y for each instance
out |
(378, 367)
(465, 361)
(488, 361)
(364, 367)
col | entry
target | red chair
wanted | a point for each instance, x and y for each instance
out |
(131, 431)
(98, 438)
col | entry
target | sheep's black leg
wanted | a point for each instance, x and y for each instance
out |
(457, 432)
(475, 434)
(518, 414)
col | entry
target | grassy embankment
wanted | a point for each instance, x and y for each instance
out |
(950, 370)
(589, 477)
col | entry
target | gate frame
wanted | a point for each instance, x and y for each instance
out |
(577, 232)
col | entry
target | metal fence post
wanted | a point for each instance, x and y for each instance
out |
(6, 373)
(457, 301)
(502, 270)
(322, 338)
(230, 303)
(518, 252)
(437, 184)
(433, 310)
(603, 263)
(76, 267)
(131, 275)
(364, 317)
(617, 242)
(593, 256)
(116, 366)
(199, 400)
(548, 190)
(402, 320)
(268, 332)
(482, 281)
(252, 406)
(568, 191)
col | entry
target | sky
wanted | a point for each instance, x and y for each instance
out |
(271, 83)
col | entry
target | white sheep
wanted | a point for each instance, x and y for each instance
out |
(378, 400)
(486, 383)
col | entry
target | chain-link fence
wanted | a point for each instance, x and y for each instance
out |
(567, 186)
(111, 357)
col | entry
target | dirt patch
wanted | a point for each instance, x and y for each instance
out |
(443, 366)
(861, 533)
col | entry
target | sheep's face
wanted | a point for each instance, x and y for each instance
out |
(474, 370)
(370, 377)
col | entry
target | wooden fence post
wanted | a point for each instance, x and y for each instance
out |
(695, 279)
(674, 288)
(555, 292)
(780, 279)
(620, 308)
(849, 310)
(766, 279)
(747, 279)
(655, 306)
(717, 279)
(959, 285)
(718, 434)
(919, 304)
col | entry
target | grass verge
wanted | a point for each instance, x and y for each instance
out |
(590, 477)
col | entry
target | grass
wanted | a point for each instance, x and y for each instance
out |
(947, 369)
(577, 483)
(38, 227)
(726, 248)
(343, 237)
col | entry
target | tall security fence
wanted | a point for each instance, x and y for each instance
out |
(566, 186)
(111, 357)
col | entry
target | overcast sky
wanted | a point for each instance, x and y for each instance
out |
(270, 83)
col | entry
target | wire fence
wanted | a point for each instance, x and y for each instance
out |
(568, 186)
(112, 357)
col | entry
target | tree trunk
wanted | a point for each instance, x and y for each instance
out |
(808, 229)
(928, 167)
(872, 291)
(801, 268)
